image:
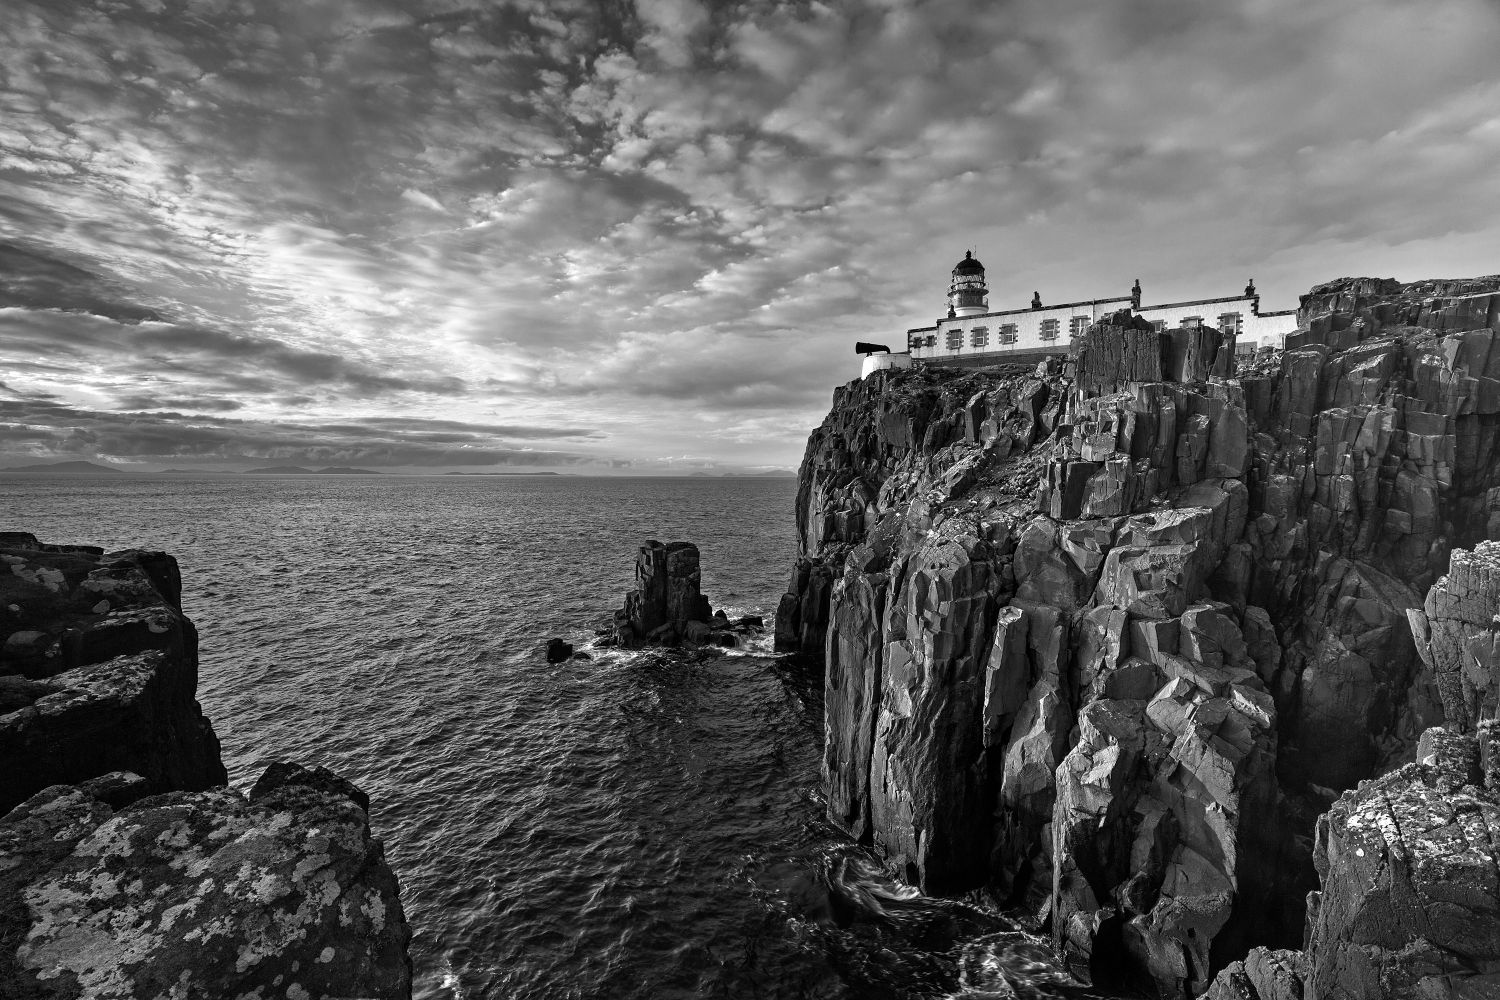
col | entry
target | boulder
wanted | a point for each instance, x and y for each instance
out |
(200, 894)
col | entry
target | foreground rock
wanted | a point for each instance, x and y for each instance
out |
(1457, 632)
(98, 671)
(205, 894)
(1104, 643)
(1410, 898)
(124, 872)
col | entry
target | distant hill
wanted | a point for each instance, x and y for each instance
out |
(502, 473)
(195, 472)
(58, 469)
(297, 470)
(768, 474)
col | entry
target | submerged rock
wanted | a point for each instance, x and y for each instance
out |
(201, 894)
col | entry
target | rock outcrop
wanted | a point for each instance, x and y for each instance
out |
(1105, 642)
(1409, 905)
(667, 607)
(204, 894)
(1458, 636)
(124, 870)
(666, 601)
(98, 672)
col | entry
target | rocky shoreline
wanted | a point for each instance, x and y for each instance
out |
(126, 868)
(1145, 647)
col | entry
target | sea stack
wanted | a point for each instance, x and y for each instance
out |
(666, 607)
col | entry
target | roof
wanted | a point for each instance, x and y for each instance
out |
(969, 265)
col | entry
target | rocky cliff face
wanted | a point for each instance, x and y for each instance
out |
(1106, 640)
(98, 671)
(1409, 904)
(124, 870)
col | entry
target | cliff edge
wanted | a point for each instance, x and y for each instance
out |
(1105, 639)
(98, 671)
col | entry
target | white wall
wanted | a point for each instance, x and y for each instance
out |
(1029, 325)
(879, 362)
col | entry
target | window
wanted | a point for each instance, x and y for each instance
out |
(955, 339)
(1192, 322)
(1078, 326)
(1008, 333)
(1049, 329)
(1229, 322)
(932, 340)
(979, 336)
(1158, 325)
(915, 340)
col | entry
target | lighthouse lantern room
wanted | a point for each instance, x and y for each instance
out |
(967, 295)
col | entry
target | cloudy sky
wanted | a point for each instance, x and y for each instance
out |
(643, 235)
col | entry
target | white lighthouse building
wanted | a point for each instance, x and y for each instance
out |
(974, 336)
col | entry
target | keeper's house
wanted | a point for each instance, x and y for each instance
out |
(971, 336)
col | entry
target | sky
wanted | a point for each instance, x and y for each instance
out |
(642, 236)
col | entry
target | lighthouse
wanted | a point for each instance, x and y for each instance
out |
(967, 295)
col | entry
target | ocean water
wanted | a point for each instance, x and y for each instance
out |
(630, 826)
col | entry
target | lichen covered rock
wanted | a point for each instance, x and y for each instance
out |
(1409, 905)
(1410, 872)
(200, 894)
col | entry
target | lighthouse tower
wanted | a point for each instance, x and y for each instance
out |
(967, 295)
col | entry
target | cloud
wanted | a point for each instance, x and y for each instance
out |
(666, 221)
(37, 427)
(422, 200)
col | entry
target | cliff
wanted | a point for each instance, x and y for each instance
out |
(126, 870)
(98, 671)
(1106, 640)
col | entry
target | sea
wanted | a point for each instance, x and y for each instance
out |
(631, 825)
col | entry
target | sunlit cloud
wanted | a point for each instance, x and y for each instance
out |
(369, 227)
